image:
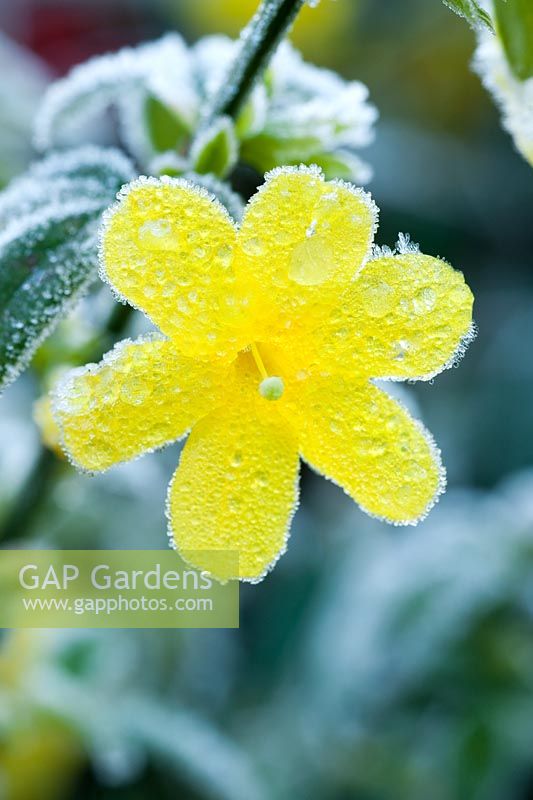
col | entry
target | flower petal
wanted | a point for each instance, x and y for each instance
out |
(141, 396)
(304, 239)
(406, 316)
(236, 488)
(168, 248)
(362, 439)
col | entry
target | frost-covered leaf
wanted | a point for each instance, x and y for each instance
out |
(253, 114)
(514, 21)
(215, 150)
(472, 12)
(312, 114)
(158, 69)
(513, 96)
(165, 128)
(48, 246)
(168, 163)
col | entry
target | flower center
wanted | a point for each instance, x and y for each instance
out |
(271, 386)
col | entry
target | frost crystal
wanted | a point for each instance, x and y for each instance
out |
(514, 97)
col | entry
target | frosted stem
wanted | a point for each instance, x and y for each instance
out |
(272, 20)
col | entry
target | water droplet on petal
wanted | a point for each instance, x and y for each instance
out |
(415, 472)
(424, 300)
(225, 255)
(157, 234)
(253, 246)
(400, 349)
(378, 297)
(312, 262)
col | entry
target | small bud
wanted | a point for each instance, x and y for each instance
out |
(271, 388)
(216, 149)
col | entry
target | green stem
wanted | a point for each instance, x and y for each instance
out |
(271, 22)
(28, 501)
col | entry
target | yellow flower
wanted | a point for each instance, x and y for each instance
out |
(271, 334)
(43, 415)
(48, 427)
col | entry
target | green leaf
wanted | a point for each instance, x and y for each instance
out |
(165, 128)
(514, 23)
(472, 12)
(48, 246)
(267, 151)
(343, 164)
(215, 150)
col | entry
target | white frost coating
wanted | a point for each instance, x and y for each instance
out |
(210, 58)
(302, 112)
(169, 75)
(29, 227)
(68, 191)
(309, 100)
(64, 178)
(85, 156)
(71, 103)
(404, 245)
(219, 189)
(306, 112)
(168, 162)
(514, 97)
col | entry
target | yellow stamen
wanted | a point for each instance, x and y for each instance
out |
(271, 387)
(258, 360)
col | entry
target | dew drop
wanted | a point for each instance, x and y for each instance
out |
(378, 297)
(400, 349)
(168, 289)
(253, 246)
(424, 300)
(261, 479)
(157, 234)
(415, 472)
(312, 262)
(225, 255)
(459, 295)
(373, 447)
(134, 392)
